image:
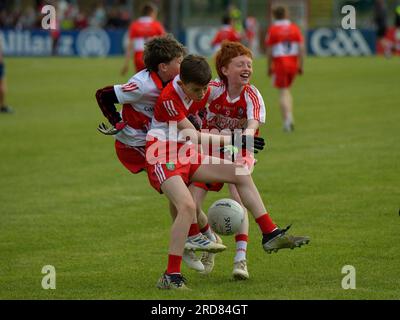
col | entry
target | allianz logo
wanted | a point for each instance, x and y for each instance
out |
(24, 43)
(88, 42)
(329, 42)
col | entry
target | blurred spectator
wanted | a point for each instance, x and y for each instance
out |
(124, 16)
(99, 17)
(114, 19)
(28, 19)
(3, 107)
(141, 30)
(252, 30)
(69, 16)
(236, 16)
(393, 35)
(226, 32)
(81, 21)
(380, 19)
(8, 19)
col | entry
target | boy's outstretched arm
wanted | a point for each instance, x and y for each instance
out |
(106, 99)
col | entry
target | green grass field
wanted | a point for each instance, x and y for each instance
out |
(66, 201)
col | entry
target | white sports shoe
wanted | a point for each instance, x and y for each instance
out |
(208, 258)
(190, 258)
(240, 270)
(202, 243)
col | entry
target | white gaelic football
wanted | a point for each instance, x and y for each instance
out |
(225, 216)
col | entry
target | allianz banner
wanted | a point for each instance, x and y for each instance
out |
(90, 42)
(339, 42)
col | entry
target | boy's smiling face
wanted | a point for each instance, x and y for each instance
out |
(239, 70)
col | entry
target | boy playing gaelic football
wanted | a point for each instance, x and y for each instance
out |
(173, 163)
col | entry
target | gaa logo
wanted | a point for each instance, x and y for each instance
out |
(328, 42)
(93, 42)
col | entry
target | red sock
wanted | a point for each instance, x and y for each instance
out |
(266, 224)
(204, 230)
(194, 229)
(174, 264)
(242, 237)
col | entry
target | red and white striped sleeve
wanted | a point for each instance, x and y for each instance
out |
(255, 104)
(216, 87)
(130, 92)
(172, 111)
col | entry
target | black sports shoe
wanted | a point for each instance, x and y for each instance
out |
(278, 239)
(6, 109)
(172, 281)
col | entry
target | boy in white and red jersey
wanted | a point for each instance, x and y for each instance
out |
(233, 104)
(163, 56)
(140, 31)
(227, 32)
(138, 96)
(285, 55)
(173, 163)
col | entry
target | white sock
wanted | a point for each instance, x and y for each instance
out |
(241, 248)
(290, 118)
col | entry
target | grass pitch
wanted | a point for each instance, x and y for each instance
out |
(66, 201)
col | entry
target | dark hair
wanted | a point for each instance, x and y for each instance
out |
(226, 19)
(280, 12)
(195, 69)
(148, 8)
(162, 49)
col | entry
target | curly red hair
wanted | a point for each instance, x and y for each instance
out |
(228, 51)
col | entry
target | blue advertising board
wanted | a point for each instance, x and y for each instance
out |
(339, 42)
(94, 42)
(90, 42)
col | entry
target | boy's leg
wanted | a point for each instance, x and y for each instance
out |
(241, 238)
(172, 211)
(226, 172)
(273, 237)
(189, 257)
(207, 258)
(286, 104)
(199, 196)
(178, 194)
(244, 227)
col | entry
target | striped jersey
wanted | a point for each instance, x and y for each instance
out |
(284, 39)
(172, 106)
(143, 29)
(226, 113)
(138, 97)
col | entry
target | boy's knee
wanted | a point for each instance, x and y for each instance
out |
(187, 207)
